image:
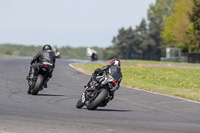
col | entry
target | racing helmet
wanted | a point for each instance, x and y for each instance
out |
(46, 47)
(115, 62)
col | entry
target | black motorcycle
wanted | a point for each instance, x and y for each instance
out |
(101, 95)
(36, 84)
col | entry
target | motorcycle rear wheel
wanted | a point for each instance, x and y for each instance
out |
(38, 84)
(98, 100)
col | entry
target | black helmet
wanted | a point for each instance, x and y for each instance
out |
(115, 62)
(47, 47)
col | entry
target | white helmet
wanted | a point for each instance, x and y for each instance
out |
(115, 62)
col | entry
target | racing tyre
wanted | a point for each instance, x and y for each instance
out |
(98, 100)
(79, 104)
(38, 84)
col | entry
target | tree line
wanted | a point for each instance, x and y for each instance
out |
(67, 52)
(171, 23)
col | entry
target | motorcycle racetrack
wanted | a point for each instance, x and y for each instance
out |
(54, 110)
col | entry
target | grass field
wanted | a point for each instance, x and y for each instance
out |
(179, 82)
(160, 62)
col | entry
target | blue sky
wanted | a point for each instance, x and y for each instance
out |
(68, 22)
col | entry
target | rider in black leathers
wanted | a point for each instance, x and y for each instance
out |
(113, 69)
(46, 55)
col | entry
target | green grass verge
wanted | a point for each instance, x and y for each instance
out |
(159, 62)
(179, 82)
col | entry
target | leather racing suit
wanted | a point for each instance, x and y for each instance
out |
(112, 70)
(44, 56)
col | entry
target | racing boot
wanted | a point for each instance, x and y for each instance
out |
(31, 74)
(111, 95)
(45, 82)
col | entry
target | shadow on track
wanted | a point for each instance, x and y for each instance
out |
(114, 110)
(49, 95)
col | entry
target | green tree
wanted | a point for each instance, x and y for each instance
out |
(120, 43)
(194, 28)
(160, 11)
(157, 15)
(67, 52)
(145, 41)
(177, 24)
(152, 42)
(140, 43)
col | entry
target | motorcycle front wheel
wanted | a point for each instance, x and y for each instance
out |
(29, 90)
(79, 104)
(98, 100)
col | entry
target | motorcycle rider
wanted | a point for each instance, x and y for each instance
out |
(92, 54)
(113, 69)
(46, 55)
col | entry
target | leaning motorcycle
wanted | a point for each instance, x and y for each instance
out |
(101, 95)
(36, 84)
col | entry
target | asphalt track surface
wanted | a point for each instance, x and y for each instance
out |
(53, 109)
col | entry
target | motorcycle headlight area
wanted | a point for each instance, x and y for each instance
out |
(110, 78)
